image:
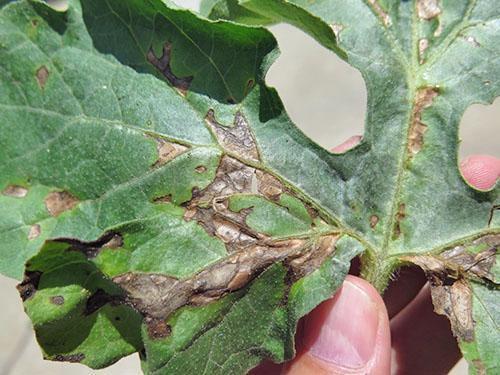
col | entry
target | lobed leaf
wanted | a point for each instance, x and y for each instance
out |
(155, 194)
(441, 57)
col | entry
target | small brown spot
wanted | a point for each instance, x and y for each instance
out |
(380, 12)
(423, 99)
(163, 65)
(34, 22)
(167, 151)
(373, 221)
(58, 202)
(423, 44)
(42, 74)
(428, 9)
(314, 214)
(400, 215)
(157, 328)
(201, 169)
(164, 199)
(34, 232)
(15, 191)
(73, 358)
(57, 300)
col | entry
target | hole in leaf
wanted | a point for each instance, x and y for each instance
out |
(189, 4)
(480, 130)
(323, 95)
(61, 5)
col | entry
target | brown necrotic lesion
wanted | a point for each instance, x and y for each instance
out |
(249, 252)
(423, 99)
(58, 202)
(167, 151)
(428, 9)
(156, 296)
(450, 275)
(42, 75)
(237, 139)
(15, 191)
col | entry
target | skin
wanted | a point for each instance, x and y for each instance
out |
(359, 332)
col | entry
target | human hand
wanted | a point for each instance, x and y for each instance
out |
(359, 332)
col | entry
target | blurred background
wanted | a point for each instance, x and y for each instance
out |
(326, 98)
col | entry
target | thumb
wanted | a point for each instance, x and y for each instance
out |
(348, 334)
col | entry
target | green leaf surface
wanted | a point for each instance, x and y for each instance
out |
(482, 353)
(156, 194)
(75, 311)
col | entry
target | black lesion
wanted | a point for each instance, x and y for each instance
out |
(162, 64)
(72, 358)
(29, 285)
(92, 248)
(492, 213)
(100, 298)
(157, 328)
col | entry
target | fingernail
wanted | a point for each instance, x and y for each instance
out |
(348, 332)
(348, 144)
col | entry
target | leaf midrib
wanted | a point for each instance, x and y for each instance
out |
(414, 73)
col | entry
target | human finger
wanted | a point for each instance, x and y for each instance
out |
(348, 334)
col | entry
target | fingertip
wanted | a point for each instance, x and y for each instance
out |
(347, 334)
(481, 171)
